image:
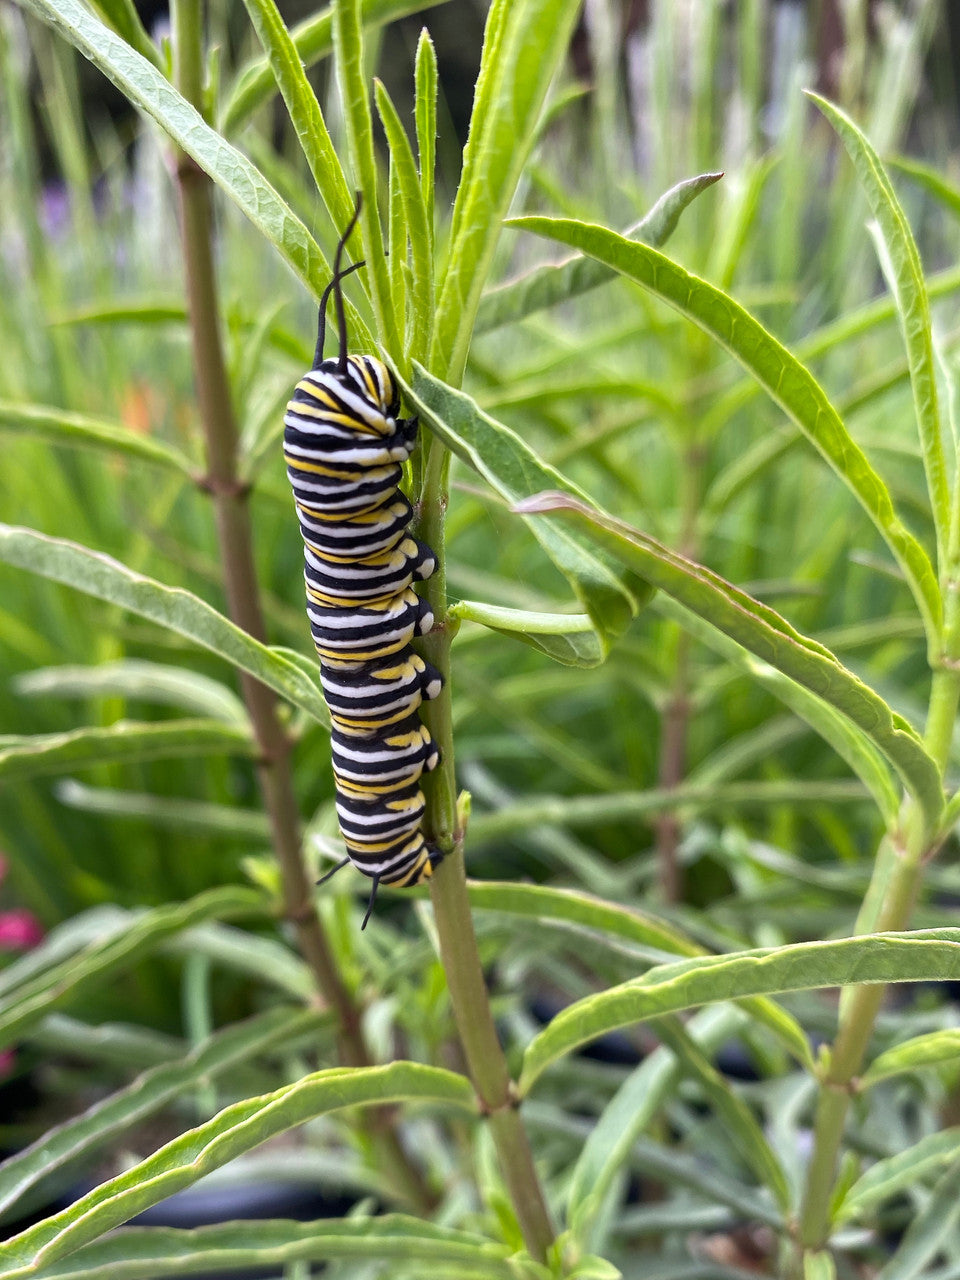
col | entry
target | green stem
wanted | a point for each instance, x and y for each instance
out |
(857, 1019)
(894, 885)
(234, 535)
(676, 714)
(451, 906)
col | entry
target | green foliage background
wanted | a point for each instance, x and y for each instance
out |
(685, 793)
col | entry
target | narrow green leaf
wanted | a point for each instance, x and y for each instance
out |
(926, 1159)
(29, 1001)
(266, 960)
(95, 924)
(148, 311)
(551, 284)
(116, 1044)
(744, 470)
(147, 88)
(143, 311)
(148, 1253)
(303, 108)
(587, 811)
(556, 386)
(58, 426)
(111, 1117)
(583, 909)
(524, 44)
(931, 179)
(591, 1267)
(415, 212)
(891, 957)
(910, 292)
(629, 1112)
(769, 637)
(351, 76)
(789, 383)
(124, 742)
(508, 464)
(922, 1051)
(829, 337)
(401, 276)
(138, 679)
(179, 611)
(235, 1130)
(177, 813)
(929, 1231)
(425, 108)
(580, 908)
(739, 1123)
(849, 741)
(123, 17)
(708, 1183)
(568, 638)
(312, 40)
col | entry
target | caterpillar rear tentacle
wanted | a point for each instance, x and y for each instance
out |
(344, 446)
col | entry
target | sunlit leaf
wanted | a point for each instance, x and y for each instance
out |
(105, 578)
(892, 957)
(231, 1132)
(789, 383)
(111, 1118)
(766, 635)
(147, 1253)
(910, 292)
(551, 284)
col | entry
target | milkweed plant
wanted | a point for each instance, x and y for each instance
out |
(696, 529)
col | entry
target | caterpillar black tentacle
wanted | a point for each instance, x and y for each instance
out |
(344, 445)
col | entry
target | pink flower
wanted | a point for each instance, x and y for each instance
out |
(19, 930)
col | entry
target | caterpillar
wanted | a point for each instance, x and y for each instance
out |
(344, 445)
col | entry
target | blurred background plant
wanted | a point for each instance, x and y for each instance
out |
(669, 776)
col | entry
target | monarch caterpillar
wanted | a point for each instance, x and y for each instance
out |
(344, 445)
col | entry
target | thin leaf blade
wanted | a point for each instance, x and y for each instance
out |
(913, 305)
(883, 958)
(147, 1253)
(549, 285)
(177, 610)
(60, 427)
(124, 742)
(26, 1002)
(148, 1093)
(523, 47)
(235, 1130)
(788, 383)
(769, 637)
(512, 468)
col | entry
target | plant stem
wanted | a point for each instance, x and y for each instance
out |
(232, 518)
(853, 1036)
(670, 774)
(451, 906)
(888, 904)
(676, 714)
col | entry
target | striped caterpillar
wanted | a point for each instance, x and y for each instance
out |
(344, 445)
